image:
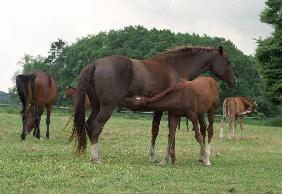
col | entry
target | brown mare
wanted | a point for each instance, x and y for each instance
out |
(69, 93)
(36, 90)
(188, 98)
(108, 81)
(234, 107)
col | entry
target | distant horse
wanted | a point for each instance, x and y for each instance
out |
(70, 93)
(36, 89)
(108, 81)
(234, 107)
(188, 98)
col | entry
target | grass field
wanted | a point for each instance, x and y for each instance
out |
(252, 165)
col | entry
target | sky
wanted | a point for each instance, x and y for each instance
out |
(30, 26)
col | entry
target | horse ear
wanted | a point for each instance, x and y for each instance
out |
(220, 50)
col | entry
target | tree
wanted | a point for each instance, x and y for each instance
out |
(269, 52)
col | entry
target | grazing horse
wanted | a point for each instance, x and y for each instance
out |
(36, 90)
(234, 107)
(188, 98)
(70, 92)
(109, 80)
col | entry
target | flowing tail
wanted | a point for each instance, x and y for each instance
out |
(22, 82)
(79, 107)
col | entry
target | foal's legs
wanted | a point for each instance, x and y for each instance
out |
(241, 126)
(198, 135)
(211, 114)
(221, 128)
(203, 128)
(173, 121)
(232, 123)
(155, 130)
(97, 127)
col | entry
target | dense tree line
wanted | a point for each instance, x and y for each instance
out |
(65, 61)
(269, 52)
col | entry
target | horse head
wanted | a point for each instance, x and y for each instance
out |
(29, 118)
(220, 66)
(69, 91)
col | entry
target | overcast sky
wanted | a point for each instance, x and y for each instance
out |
(29, 26)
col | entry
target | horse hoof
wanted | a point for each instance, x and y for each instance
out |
(96, 161)
(208, 163)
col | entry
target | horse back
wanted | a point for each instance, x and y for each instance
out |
(150, 77)
(234, 106)
(207, 94)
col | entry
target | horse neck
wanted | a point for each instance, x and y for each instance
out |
(187, 66)
(247, 102)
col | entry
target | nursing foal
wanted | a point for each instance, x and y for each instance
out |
(188, 98)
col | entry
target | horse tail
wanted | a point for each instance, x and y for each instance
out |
(79, 107)
(21, 91)
(22, 82)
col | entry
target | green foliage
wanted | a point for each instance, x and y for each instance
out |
(50, 166)
(269, 52)
(65, 61)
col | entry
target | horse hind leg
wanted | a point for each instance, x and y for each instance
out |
(198, 135)
(173, 121)
(211, 114)
(49, 110)
(97, 126)
(155, 130)
(203, 129)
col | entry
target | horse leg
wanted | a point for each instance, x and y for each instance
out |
(49, 110)
(90, 120)
(155, 130)
(23, 129)
(241, 126)
(221, 128)
(231, 126)
(172, 148)
(203, 129)
(173, 121)
(97, 127)
(198, 135)
(211, 114)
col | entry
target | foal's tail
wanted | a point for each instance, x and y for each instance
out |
(79, 107)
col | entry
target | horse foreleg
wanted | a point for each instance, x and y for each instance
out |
(173, 121)
(97, 127)
(155, 130)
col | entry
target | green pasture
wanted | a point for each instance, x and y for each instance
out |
(252, 165)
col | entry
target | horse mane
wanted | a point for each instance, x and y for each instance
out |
(146, 100)
(188, 49)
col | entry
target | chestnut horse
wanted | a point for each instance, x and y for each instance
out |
(36, 90)
(70, 93)
(188, 98)
(234, 107)
(109, 80)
